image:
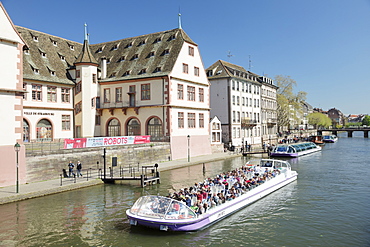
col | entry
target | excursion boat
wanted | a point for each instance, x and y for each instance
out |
(294, 149)
(168, 214)
(330, 138)
(317, 140)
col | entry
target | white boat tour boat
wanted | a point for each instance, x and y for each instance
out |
(330, 138)
(227, 193)
(294, 149)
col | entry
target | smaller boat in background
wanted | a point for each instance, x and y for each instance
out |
(294, 149)
(317, 140)
(330, 138)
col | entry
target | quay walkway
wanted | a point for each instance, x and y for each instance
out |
(32, 190)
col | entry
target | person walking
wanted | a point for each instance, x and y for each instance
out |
(79, 168)
(70, 169)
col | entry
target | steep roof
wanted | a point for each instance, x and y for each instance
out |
(85, 55)
(49, 55)
(150, 55)
(222, 69)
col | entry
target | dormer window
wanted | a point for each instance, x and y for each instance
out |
(43, 54)
(143, 71)
(121, 59)
(115, 47)
(100, 49)
(128, 45)
(71, 47)
(157, 40)
(35, 70)
(126, 73)
(136, 56)
(113, 74)
(151, 54)
(166, 52)
(141, 43)
(173, 36)
(36, 38)
(63, 58)
(108, 60)
(52, 73)
(55, 43)
(27, 52)
(158, 69)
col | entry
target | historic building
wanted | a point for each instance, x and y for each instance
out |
(11, 93)
(237, 99)
(153, 84)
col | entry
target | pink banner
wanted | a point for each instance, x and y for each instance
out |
(104, 141)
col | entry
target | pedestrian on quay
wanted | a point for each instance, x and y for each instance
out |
(79, 168)
(70, 169)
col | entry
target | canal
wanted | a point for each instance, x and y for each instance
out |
(327, 206)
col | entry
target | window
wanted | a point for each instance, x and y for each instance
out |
(157, 40)
(234, 116)
(151, 54)
(35, 70)
(66, 122)
(233, 99)
(155, 128)
(142, 71)
(36, 92)
(142, 42)
(25, 89)
(78, 107)
(185, 68)
(63, 58)
(238, 117)
(43, 54)
(180, 120)
(136, 56)
(118, 94)
(114, 128)
(201, 120)
(180, 91)
(97, 119)
(191, 93)
(191, 51)
(237, 100)
(36, 38)
(106, 95)
(100, 49)
(191, 120)
(196, 71)
(113, 75)
(145, 92)
(71, 47)
(78, 73)
(44, 130)
(133, 128)
(121, 59)
(128, 45)
(173, 36)
(233, 85)
(92, 102)
(55, 43)
(94, 78)
(158, 69)
(114, 47)
(126, 73)
(65, 95)
(201, 95)
(52, 73)
(78, 88)
(166, 52)
(52, 94)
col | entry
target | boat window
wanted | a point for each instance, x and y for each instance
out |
(281, 148)
(179, 210)
(151, 206)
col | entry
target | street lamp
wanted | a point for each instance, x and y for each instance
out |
(17, 147)
(188, 148)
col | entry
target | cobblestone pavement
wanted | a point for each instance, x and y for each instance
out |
(26, 191)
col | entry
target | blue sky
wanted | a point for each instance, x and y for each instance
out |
(324, 45)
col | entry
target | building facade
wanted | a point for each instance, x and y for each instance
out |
(236, 99)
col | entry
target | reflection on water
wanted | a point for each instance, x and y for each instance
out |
(326, 206)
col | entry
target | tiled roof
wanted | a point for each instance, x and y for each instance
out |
(222, 69)
(49, 55)
(150, 55)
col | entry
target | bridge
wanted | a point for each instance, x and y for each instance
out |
(348, 130)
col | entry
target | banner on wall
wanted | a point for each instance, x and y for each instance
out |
(104, 141)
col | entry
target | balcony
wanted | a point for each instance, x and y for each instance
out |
(271, 121)
(248, 123)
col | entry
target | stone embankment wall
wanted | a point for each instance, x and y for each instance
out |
(49, 165)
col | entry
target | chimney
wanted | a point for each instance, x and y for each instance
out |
(103, 68)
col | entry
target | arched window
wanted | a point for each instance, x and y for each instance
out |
(155, 129)
(133, 128)
(44, 130)
(26, 131)
(114, 128)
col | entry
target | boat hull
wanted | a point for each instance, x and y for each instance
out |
(218, 212)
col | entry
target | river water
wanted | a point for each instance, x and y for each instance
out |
(329, 205)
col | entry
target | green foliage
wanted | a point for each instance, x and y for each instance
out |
(318, 119)
(366, 120)
(289, 104)
(353, 124)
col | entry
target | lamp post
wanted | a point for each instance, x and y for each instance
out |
(188, 148)
(17, 147)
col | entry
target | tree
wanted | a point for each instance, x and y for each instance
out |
(289, 104)
(366, 120)
(318, 119)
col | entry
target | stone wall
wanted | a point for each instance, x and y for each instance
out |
(49, 165)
